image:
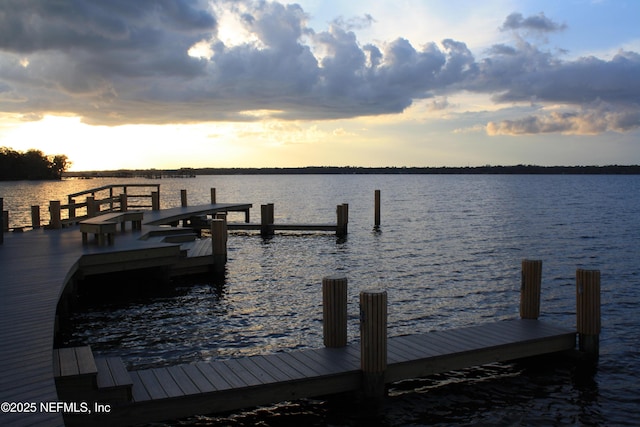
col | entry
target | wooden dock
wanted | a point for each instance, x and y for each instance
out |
(209, 387)
(37, 266)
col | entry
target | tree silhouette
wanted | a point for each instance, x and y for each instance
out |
(33, 164)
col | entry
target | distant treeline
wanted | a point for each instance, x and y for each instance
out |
(317, 170)
(32, 164)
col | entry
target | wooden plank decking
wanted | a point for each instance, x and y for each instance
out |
(209, 387)
(34, 268)
(36, 265)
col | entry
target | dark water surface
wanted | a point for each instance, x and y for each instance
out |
(448, 253)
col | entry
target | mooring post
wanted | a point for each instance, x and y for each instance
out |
(183, 198)
(342, 213)
(373, 343)
(155, 200)
(219, 235)
(266, 219)
(72, 208)
(213, 196)
(376, 214)
(91, 207)
(2, 220)
(124, 202)
(35, 216)
(334, 310)
(530, 289)
(54, 214)
(588, 312)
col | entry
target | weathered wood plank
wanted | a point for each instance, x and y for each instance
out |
(217, 380)
(198, 378)
(183, 380)
(139, 391)
(152, 385)
(167, 382)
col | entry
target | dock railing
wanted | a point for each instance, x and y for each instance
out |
(116, 197)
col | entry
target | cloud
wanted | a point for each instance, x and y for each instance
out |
(539, 22)
(120, 61)
(594, 119)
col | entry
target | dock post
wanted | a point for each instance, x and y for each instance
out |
(183, 198)
(91, 207)
(342, 213)
(376, 214)
(35, 216)
(213, 196)
(334, 310)
(2, 220)
(72, 208)
(155, 200)
(54, 214)
(219, 234)
(266, 219)
(530, 289)
(124, 203)
(373, 343)
(588, 312)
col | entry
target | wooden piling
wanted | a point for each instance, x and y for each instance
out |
(124, 203)
(219, 236)
(530, 289)
(72, 207)
(213, 196)
(266, 219)
(55, 221)
(183, 198)
(376, 214)
(334, 310)
(155, 200)
(588, 311)
(373, 343)
(2, 220)
(92, 209)
(342, 213)
(35, 216)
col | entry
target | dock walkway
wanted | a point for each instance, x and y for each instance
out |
(34, 269)
(210, 387)
(36, 265)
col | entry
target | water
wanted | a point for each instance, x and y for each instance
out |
(448, 253)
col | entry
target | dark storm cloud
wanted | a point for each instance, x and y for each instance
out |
(122, 61)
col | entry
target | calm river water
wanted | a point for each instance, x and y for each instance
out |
(448, 253)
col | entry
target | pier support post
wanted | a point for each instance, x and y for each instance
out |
(213, 196)
(155, 200)
(342, 213)
(530, 289)
(35, 216)
(2, 220)
(334, 310)
(124, 202)
(376, 214)
(373, 343)
(219, 235)
(266, 219)
(588, 312)
(91, 207)
(183, 198)
(72, 208)
(55, 221)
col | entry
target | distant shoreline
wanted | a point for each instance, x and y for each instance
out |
(350, 170)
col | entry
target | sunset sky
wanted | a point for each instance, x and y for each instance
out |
(168, 84)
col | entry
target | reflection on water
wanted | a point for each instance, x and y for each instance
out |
(448, 253)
